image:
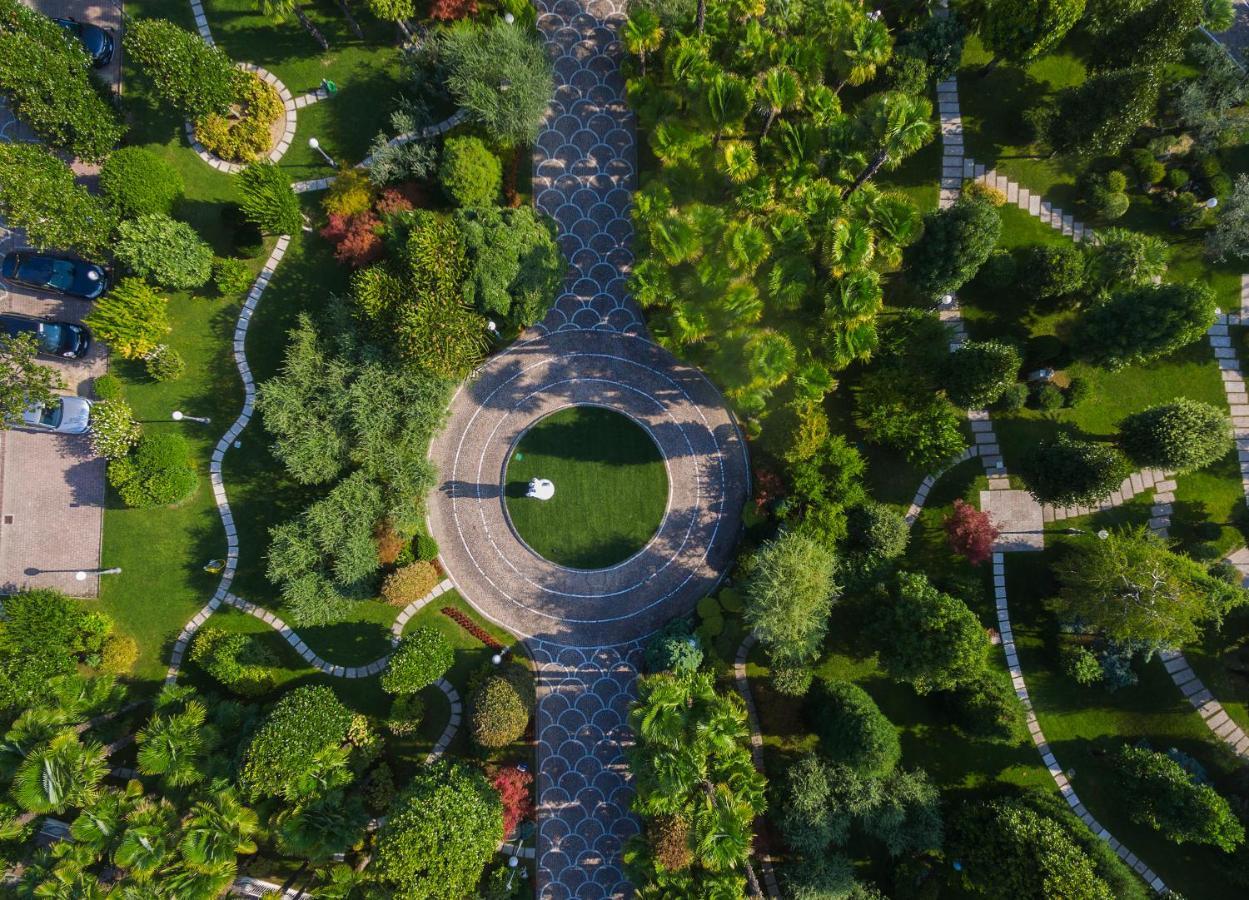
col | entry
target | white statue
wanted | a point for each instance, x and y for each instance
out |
(540, 489)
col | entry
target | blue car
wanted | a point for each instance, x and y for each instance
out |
(54, 273)
(61, 339)
(95, 40)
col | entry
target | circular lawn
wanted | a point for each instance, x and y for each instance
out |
(611, 487)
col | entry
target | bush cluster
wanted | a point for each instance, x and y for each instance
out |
(136, 182)
(240, 662)
(159, 472)
(291, 744)
(499, 709)
(164, 251)
(409, 583)
(423, 657)
(246, 134)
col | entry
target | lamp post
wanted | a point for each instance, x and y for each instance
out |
(82, 576)
(177, 415)
(509, 18)
(316, 145)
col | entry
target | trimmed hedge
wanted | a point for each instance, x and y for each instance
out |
(852, 729)
(499, 709)
(423, 657)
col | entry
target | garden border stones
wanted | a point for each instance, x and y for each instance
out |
(289, 105)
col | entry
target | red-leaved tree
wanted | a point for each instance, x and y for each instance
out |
(513, 786)
(355, 238)
(970, 532)
(449, 10)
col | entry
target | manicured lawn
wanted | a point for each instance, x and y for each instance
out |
(611, 487)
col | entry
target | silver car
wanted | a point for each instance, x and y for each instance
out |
(65, 415)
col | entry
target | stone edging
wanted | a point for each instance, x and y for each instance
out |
(1160, 482)
(289, 105)
(921, 495)
(742, 683)
(1042, 745)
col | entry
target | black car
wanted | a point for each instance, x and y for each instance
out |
(64, 339)
(54, 273)
(95, 40)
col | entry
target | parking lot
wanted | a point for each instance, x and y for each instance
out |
(51, 486)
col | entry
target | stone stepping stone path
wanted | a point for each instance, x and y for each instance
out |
(742, 683)
(1138, 482)
(921, 495)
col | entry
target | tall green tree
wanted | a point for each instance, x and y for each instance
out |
(1100, 116)
(1068, 472)
(279, 10)
(192, 76)
(893, 125)
(23, 381)
(789, 595)
(38, 194)
(1140, 324)
(1022, 30)
(1179, 436)
(1160, 794)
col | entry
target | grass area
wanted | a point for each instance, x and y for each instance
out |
(611, 487)
(1082, 724)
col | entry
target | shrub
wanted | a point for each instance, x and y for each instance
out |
(193, 77)
(515, 267)
(955, 243)
(970, 533)
(1013, 398)
(268, 201)
(1230, 236)
(131, 319)
(108, 387)
(119, 654)
(350, 195)
(231, 276)
(438, 836)
(1148, 169)
(673, 648)
(409, 583)
(43, 634)
(986, 706)
(136, 182)
(514, 787)
(356, 239)
(1048, 397)
(46, 80)
(1077, 392)
(406, 713)
(245, 237)
(1167, 799)
(852, 729)
(977, 373)
(1067, 472)
(999, 271)
(426, 548)
(470, 174)
(246, 133)
(113, 428)
(1080, 665)
(793, 681)
(291, 754)
(423, 657)
(165, 251)
(159, 472)
(240, 662)
(815, 804)
(876, 530)
(1054, 271)
(1177, 179)
(1099, 116)
(499, 709)
(1179, 436)
(165, 363)
(789, 595)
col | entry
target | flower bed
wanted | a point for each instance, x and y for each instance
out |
(247, 133)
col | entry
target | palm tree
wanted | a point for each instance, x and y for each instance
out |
(217, 829)
(865, 46)
(897, 125)
(173, 746)
(149, 841)
(100, 824)
(60, 774)
(726, 102)
(341, 882)
(643, 33)
(317, 830)
(281, 9)
(736, 161)
(778, 92)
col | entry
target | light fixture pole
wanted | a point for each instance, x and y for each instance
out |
(177, 415)
(82, 576)
(316, 145)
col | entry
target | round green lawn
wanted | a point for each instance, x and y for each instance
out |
(611, 487)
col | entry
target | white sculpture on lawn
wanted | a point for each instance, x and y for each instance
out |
(540, 489)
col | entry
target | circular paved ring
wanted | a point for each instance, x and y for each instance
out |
(707, 477)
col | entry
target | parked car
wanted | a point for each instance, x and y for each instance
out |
(55, 273)
(65, 415)
(97, 41)
(63, 339)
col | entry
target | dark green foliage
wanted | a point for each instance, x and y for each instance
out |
(1067, 472)
(1009, 848)
(877, 531)
(423, 657)
(43, 634)
(425, 547)
(1099, 117)
(906, 816)
(938, 42)
(811, 803)
(136, 182)
(674, 648)
(1152, 35)
(164, 251)
(267, 199)
(892, 410)
(499, 709)
(188, 74)
(824, 877)
(1123, 258)
(231, 276)
(977, 373)
(1079, 390)
(1022, 30)
(985, 706)
(1149, 170)
(159, 472)
(852, 729)
(241, 662)
(792, 681)
(999, 271)
(789, 594)
(1080, 665)
(38, 194)
(1054, 271)
(1013, 398)
(471, 175)
(439, 835)
(515, 268)
(295, 753)
(1179, 436)
(478, 59)
(955, 243)
(1140, 324)
(1048, 397)
(46, 78)
(1163, 796)
(927, 638)
(108, 387)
